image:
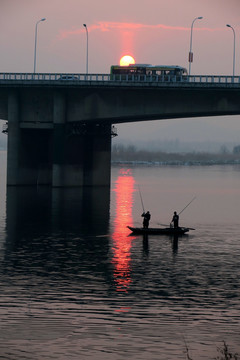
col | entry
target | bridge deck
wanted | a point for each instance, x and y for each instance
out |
(77, 80)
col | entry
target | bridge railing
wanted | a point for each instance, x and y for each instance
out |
(106, 78)
(54, 76)
(214, 79)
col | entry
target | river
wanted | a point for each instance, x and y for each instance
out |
(76, 285)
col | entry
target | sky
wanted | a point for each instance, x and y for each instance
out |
(152, 31)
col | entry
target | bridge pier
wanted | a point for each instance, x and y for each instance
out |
(29, 156)
(68, 154)
(81, 152)
(81, 155)
(13, 140)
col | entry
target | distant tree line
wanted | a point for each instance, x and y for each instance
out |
(236, 149)
(122, 153)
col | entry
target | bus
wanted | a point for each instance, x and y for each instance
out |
(148, 72)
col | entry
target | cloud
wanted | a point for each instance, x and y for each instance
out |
(108, 26)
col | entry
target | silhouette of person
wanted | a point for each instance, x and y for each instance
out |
(175, 219)
(146, 218)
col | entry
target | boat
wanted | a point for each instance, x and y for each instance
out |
(159, 231)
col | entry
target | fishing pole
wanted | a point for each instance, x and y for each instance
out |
(141, 198)
(182, 211)
(187, 205)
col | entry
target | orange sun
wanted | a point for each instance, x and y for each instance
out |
(127, 60)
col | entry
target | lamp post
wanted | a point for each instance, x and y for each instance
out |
(87, 48)
(233, 47)
(35, 47)
(190, 58)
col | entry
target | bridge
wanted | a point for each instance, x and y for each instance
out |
(60, 125)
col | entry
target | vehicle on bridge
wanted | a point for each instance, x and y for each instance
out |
(149, 72)
(68, 77)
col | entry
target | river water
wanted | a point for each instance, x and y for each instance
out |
(76, 285)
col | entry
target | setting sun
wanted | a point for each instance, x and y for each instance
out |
(127, 60)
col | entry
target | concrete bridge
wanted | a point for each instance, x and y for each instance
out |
(60, 125)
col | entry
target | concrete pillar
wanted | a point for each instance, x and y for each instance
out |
(13, 153)
(59, 116)
(81, 152)
(97, 163)
(29, 153)
(73, 154)
(67, 170)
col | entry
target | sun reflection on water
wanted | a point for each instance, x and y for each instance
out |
(124, 189)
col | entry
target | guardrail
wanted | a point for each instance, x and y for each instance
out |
(54, 76)
(64, 78)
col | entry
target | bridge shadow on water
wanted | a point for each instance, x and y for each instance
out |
(56, 230)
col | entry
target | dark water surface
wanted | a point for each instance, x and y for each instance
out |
(75, 285)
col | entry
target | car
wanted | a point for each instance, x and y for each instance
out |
(68, 77)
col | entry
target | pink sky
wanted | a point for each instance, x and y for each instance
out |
(153, 31)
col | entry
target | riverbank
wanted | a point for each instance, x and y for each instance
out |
(132, 156)
(176, 163)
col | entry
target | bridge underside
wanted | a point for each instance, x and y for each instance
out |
(62, 136)
(129, 105)
(123, 103)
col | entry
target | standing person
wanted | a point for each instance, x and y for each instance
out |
(146, 218)
(175, 219)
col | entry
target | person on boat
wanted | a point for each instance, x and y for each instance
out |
(146, 218)
(175, 220)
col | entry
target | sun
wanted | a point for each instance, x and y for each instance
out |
(127, 60)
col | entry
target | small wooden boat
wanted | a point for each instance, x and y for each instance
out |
(159, 231)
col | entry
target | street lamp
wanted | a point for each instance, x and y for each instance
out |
(87, 47)
(190, 58)
(233, 47)
(35, 47)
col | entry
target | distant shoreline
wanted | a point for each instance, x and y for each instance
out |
(175, 163)
(131, 155)
(191, 159)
